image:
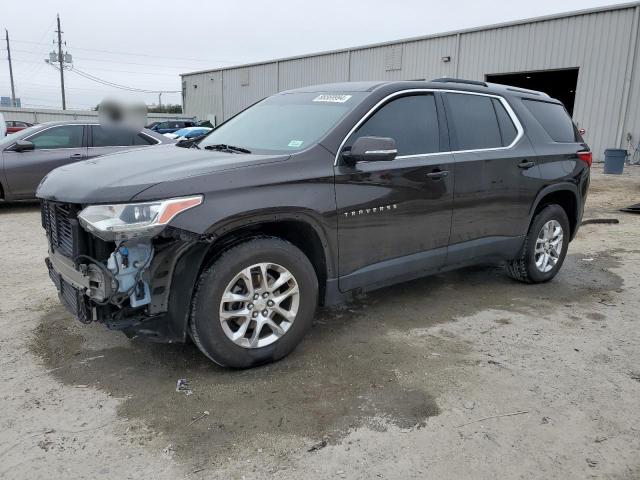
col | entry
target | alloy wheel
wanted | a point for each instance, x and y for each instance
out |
(259, 305)
(548, 246)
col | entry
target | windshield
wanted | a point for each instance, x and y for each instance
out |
(284, 123)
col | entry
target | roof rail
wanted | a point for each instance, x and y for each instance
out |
(459, 80)
(524, 90)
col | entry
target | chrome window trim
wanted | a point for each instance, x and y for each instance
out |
(382, 152)
(505, 104)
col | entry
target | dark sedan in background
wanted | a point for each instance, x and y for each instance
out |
(28, 155)
(171, 126)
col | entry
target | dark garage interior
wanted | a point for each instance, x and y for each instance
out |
(560, 84)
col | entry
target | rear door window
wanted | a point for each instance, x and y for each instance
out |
(141, 139)
(105, 136)
(472, 121)
(64, 136)
(411, 121)
(554, 119)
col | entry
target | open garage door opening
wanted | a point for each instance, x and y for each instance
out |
(560, 84)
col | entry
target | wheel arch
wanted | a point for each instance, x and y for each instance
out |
(298, 228)
(567, 196)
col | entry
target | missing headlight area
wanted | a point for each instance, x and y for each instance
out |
(121, 278)
(128, 264)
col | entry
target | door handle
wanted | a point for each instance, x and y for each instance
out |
(437, 174)
(76, 156)
(526, 164)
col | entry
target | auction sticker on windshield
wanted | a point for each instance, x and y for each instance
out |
(296, 143)
(332, 98)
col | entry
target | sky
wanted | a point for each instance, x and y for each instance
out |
(146, 44)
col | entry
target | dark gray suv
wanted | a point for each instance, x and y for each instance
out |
(307, 197)
(28, 155)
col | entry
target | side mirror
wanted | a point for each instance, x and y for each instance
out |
(371, 149)
(23, 146)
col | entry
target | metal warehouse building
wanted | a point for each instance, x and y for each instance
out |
(588, 59)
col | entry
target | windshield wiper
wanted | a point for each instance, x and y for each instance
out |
(226, 148)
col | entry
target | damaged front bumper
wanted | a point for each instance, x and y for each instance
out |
(142, 289)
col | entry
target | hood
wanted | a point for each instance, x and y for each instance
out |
(118, 177)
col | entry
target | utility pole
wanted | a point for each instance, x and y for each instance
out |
(160, 100)
(13, 89)
(61, 64)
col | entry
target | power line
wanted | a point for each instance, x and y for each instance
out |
(142, 54)
(102, 81)
(181, 67)
(108, 69)
(47, 87)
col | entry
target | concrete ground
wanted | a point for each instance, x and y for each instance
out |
(463, 375)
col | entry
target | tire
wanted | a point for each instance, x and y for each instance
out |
(212, 322)
(524, 268)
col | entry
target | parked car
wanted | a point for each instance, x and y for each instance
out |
(307, 197)
(188, 133)
(28, 155)
(172, 126)
(14, 126)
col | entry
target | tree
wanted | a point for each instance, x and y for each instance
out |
(168, 108)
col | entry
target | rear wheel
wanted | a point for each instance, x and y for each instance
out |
(545, 247)
(254, 304)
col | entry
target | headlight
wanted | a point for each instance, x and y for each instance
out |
(130, 220)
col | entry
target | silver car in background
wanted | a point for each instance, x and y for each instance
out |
(28, 155)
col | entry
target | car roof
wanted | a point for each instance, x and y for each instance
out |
(436, 84)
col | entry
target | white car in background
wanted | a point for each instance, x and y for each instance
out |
(188, 133)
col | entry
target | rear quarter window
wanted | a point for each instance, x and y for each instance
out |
(554, 119)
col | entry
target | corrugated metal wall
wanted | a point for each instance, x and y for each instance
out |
(599, 43)
(596, 43)
(243, 86)
(299, 72)
(34, 115)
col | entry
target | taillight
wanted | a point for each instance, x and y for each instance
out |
(586, 157)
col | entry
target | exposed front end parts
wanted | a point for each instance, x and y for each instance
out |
(128, 264)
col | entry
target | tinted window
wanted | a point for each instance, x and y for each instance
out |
(67, 136)
(474, 122)
(111, 136)
(554, 119)
(411, 121)
(508, 130)
(141, 139)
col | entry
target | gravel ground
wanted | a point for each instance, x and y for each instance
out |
(461, 375)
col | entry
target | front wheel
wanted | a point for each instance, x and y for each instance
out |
(545, 247)
(254, 304)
